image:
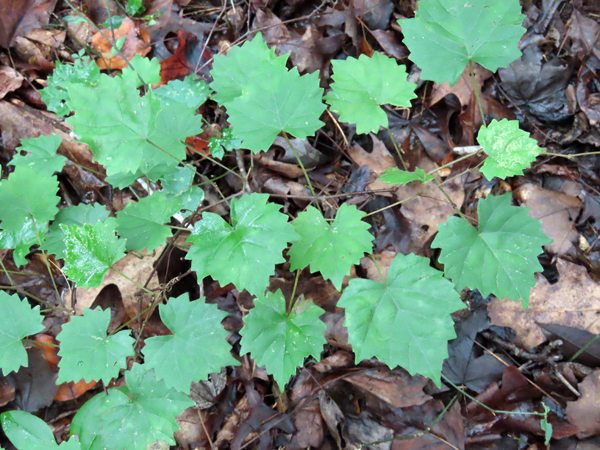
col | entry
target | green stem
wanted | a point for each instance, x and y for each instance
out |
(396, 147)
(377, 267)
(431, 172)
(139, 286)
(291, 304)
(33, 341)
(45, 257)
(456, 208)
(477, 93)
(312, 191)
(584, 348)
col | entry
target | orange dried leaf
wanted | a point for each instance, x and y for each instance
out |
(137, 41)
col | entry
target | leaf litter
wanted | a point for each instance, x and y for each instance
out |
(551, 89)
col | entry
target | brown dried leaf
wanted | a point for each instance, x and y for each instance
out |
(137, 41)
(572, 302)
(556, 211)
(463, 87)
(584, 413)
(379, 160)
(10, 80)
(19, 17)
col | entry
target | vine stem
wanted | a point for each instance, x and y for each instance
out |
(456, 208)
(139, 286)
(45, 256)
(285, 135)
(33, 341)
(291, 304)
(476, 93)
(377, 267)
(396, 147)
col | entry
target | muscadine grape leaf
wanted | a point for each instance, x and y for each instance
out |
(71, 215)
(330, 249)
(362, 85)
(56, 94)
(500, 257)
(280, 342)
(190, 92)
(446, 34)
(30, 234)
(197, 347)
(90, 251)
(228, 141)
(143, 223)
(404, 321)
(396, 176)
(132, 416)
(147, 69)
(122, 138)
(510, 150)
(276, 101)
(28, 432)
(27, 194)
(18, 320)
(87, 353)
(233, 72)
(41, 154)
(245, 252)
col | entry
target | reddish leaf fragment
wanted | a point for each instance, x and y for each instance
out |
(137, 41)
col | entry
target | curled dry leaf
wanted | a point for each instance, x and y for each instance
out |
(572, 302)
(137, 41)
(10, 80)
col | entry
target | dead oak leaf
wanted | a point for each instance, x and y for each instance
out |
(572, 302)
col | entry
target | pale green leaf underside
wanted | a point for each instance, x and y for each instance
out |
(87, 353)
(446, 34)
(404, 321)
(500, 258)
(245, 252)
(362, 85)
(330, 249)
(143, 223)
(197, 347)
(18, 320)
(233, 72)
(41, 155)
(396, 176)
(116, 421)
(90, 251)
(510, 150)
(27, 194)
(280, 342)
(71, 215)
(277, 100)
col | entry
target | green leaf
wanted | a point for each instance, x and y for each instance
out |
(277, 100)
(87, 353)
(91, 250)
(233, 72)
(130, 417)
(41, 155)
(28, 432)
(396, 176)
(113, 22)
(330, 249)
(123, 129)
(501, 257)
(227, 141)
(446, 34)
(281, 342)
(179, 185)
(148, 69)
(510, 150)
(197, 347)
(22, 241)
(362, 85)
(245, 252)
(404, 321)
(18, 321)
(191, 199)
(143, 223)
(134, 7)
(190, 92)
(117, 46)
(24, 195)
(154, 170)
(56, 94)
(71, 215)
